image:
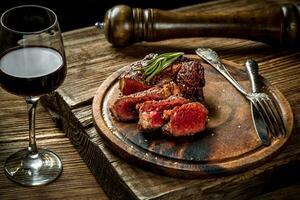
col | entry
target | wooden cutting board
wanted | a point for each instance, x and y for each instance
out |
(229, 144)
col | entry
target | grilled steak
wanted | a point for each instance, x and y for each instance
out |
(132, 81)
(124, 108)
(185, 120)
(151, 112)
(130, 86)
(164, 101)
(186, 73)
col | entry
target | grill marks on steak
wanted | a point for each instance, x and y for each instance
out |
(151, 112)
(186, 120)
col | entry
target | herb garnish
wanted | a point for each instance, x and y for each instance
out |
(158, 64)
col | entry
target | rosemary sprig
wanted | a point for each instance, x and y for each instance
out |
(158, 64)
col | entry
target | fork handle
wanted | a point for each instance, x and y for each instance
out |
(252, 70)
(222, 69)
(213, 59)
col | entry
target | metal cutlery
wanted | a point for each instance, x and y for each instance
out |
(258, 121)
(267, 106)
(266, 111)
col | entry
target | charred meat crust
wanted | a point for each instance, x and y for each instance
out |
(190, 79)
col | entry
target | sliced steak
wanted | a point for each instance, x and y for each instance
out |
(150, 103)
(129, 86)
(132, 81)
(151, 112)
(124, 108)
(188, 119)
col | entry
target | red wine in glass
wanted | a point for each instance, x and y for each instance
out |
(32, 71)
(32, 64)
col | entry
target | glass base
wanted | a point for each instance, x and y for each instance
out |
(29, 170)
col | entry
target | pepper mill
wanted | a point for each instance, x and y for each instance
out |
(275, 26)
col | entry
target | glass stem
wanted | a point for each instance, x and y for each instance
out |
(31, 105)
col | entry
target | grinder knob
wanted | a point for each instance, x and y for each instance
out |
(118, 25)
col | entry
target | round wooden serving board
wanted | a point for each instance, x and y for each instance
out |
(229, 144)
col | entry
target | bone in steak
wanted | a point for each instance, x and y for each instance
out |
(186, 120)
(151, 112)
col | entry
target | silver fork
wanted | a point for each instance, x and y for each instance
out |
(271, 114)
(263, 103)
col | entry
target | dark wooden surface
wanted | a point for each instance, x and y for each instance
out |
(228, 145)
(91, 59)
(76, 181)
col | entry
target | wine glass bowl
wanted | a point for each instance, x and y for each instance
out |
(32, 64)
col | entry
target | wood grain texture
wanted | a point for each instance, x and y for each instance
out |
(76, 181)
(91, 59)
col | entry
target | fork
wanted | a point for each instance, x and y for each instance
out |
(266, 105)
(263, 103)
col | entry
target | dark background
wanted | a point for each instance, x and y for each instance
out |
(74, 14)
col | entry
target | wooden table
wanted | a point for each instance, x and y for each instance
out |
(90, 60)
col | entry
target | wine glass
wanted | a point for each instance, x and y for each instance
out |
(32, 64)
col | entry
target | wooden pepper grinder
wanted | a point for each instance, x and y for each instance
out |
(277, 26)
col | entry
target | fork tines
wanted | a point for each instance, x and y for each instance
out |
(270, 114)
